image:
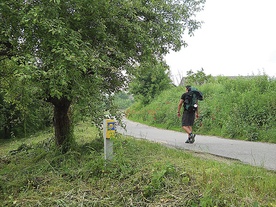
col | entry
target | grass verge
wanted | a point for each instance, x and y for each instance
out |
(141, 174)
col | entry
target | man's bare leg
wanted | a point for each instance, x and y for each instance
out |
(187, 129)
(191, 136)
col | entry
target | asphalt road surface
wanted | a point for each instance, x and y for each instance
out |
(253, 153)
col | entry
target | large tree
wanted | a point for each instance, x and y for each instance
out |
(79, 51)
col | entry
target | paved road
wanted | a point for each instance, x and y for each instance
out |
(253, 153)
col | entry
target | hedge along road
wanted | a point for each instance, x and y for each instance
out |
(253, 153)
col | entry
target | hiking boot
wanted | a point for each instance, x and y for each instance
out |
(189, 140)
(192, 138)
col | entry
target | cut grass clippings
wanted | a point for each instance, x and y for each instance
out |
(141, 173)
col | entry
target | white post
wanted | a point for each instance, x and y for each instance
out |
(108, 133)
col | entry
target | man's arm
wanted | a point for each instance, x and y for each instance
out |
(197, 110)
(179, 107)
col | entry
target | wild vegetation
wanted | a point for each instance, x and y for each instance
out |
(240, 108)
(34, 173)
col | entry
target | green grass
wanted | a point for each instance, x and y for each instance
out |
(141, 173)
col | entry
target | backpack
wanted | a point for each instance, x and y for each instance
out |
(191, 99)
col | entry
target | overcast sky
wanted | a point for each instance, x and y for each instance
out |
(238, 37)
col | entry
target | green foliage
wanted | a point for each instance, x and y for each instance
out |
(241, 108)
(149, 81)
(141, 174)
(21, 113)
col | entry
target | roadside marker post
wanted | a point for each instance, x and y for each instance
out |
(108, 134)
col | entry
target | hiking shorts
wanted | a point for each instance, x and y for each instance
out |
(188, 118)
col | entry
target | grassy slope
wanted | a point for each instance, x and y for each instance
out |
(238, 109)
(141, 174)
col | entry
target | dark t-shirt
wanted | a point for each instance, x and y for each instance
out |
(184, 97)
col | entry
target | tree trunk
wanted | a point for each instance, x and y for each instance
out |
(62, 123)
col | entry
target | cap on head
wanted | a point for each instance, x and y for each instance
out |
(188, 87)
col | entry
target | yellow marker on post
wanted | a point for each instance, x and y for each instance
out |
(110, 129)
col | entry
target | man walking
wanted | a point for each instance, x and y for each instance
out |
(189, 114)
